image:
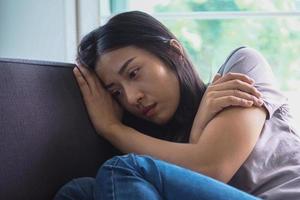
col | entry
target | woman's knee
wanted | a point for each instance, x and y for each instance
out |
(138, 165)
(79, 188)
(130, 161)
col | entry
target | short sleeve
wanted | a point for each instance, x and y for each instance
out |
(249, 61)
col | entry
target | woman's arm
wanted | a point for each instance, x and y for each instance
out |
(232, 89)
(224, 145)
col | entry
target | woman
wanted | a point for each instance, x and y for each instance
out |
(229, 140)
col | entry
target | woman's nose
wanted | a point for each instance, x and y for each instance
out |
(133, 95)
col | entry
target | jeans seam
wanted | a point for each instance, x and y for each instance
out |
(78, 186)
(113, 184)
(161, 181)
(153, 160)
(113, 165)
(112, 177)
(118, 167)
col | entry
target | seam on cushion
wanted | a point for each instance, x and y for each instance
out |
(37, 62)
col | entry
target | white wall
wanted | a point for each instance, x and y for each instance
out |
(45, 29)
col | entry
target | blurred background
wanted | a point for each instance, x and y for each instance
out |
(208, 29)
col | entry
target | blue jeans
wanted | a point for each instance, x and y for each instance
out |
(141, 177)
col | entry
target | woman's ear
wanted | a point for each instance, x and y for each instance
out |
(176, 45)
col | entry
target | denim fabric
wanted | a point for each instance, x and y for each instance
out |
(80, 189)
(143, 177)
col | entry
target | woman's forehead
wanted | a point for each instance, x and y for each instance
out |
(117, 56)
(112, 61)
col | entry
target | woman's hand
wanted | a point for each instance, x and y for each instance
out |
(233, 89)
(103, 110)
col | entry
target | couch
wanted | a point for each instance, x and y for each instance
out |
(46, 137)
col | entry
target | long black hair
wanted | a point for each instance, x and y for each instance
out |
(139, 29)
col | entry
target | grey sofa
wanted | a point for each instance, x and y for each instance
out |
(46, 137)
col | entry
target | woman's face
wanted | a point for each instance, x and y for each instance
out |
(141, 82)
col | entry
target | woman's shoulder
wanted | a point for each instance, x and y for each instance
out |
(246, 59)
(252, 63)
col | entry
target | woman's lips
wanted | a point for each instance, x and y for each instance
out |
(149, 110)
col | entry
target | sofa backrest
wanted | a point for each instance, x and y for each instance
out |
(46, 137)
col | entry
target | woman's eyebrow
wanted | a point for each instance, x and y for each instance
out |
(125, 65)
(121, 71)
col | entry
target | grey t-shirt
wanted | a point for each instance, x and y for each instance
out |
(272, 171)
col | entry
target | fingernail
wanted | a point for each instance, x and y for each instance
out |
(260, 102)
(75, 69)
(250, 103)
(259, 94)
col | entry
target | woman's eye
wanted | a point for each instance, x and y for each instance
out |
(116, 93)
(133, 73)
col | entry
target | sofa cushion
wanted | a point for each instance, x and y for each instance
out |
(46, 137)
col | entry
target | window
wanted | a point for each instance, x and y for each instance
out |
(210, 30)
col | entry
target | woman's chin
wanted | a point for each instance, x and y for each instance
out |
(160, 121)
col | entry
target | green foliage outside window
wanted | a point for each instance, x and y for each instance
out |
(209, 42)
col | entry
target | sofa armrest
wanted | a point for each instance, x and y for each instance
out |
(46, 135)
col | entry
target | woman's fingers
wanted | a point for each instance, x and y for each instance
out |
(83, 85)
(235, 76)
(238, 94)
(217, 77)
(236, 85)
(236, 81)
(226, 101)
(90, 77)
